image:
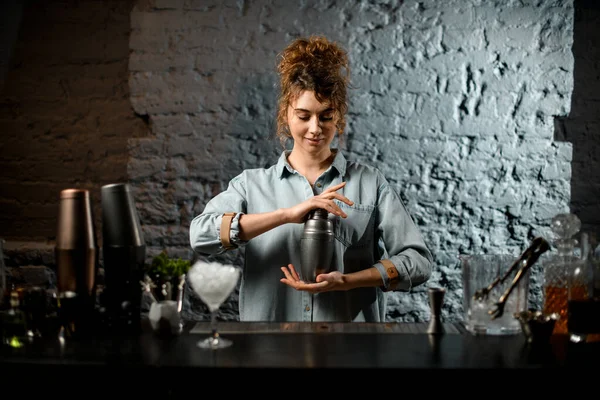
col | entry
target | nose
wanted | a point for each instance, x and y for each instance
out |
(315, 125)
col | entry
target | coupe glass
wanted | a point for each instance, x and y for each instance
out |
(213, 282)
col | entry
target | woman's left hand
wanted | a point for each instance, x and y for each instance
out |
(324, 282)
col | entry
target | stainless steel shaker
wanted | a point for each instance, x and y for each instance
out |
(316, 245)
(124, 253)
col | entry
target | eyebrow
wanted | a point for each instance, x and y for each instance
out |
(305, 110)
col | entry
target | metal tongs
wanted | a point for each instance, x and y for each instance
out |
(538, 247)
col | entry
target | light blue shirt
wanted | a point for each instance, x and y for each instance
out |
(378, 227)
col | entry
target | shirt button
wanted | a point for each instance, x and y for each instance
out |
(307, 308)
(319, 184)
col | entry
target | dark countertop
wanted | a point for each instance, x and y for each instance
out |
(285, 348)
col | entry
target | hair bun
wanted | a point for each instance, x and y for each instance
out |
(315, 54)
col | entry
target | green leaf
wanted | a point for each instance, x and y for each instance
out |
(164, 267)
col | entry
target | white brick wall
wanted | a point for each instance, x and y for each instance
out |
(455, 101)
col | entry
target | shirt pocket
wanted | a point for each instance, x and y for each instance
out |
(356, 230)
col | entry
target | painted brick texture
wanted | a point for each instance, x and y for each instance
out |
(456, 102)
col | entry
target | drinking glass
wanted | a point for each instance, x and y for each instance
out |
(213, 282)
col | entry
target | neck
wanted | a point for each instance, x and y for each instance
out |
(311, 165)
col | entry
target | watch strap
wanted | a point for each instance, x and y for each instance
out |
(392, 274)
(225, 232)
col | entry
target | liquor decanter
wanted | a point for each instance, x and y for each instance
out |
(560, 269)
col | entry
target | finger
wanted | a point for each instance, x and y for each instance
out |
(344, 199)
(334, 208)
(329, 278)
(335, 187)
(287, 274)
(330, 197)
(339, 211)
(315, 287)
(293, 272)
(329, 206)
(293, 284)
(338, 196)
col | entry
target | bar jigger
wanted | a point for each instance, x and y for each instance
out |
(436, 299)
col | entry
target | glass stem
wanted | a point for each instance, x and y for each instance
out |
(213, 325)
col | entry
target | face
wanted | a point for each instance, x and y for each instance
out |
(312, 124)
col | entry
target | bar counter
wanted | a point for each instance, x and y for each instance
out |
(296, 347)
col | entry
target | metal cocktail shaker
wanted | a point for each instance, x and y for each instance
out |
(76, 262)
(316, 245)
(124, 253)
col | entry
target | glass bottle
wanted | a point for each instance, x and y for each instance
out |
(14, 328)
(584, 303)
(562, 272)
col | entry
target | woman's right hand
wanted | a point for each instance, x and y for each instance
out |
(325, 200)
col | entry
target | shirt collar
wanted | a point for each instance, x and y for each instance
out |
(339, 163)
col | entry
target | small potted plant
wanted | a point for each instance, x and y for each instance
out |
(165, 274)
(163, 293)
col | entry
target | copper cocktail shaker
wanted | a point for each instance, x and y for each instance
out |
(316, 245)
(76, 261)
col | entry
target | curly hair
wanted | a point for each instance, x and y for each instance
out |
(314, 64)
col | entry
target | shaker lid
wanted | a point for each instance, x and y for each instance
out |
(319, 213)
(116, 187)
(74, 194)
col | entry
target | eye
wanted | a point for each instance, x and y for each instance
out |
(326, 117)
(303, 118)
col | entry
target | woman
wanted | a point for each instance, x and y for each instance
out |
(377, 248)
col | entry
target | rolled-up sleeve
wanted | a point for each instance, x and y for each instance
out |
(403, 242)
(205, 229)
